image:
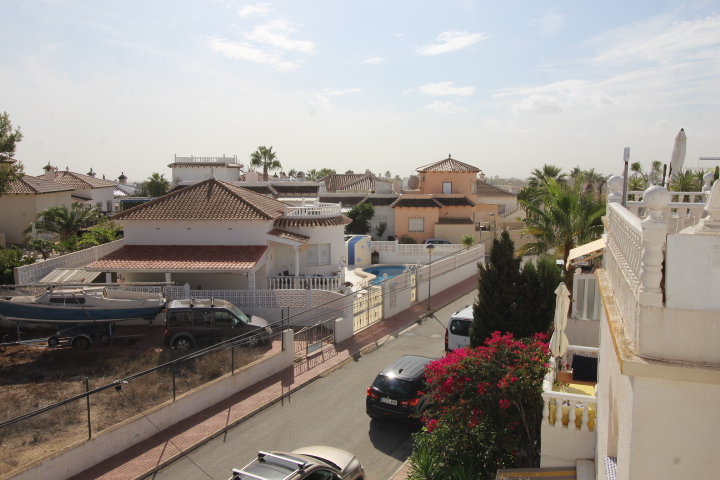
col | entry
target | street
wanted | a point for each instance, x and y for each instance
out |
(329, 411)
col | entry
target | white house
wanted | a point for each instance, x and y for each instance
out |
(88, 190)
(220, 236)
(196, 169)
(25, 198)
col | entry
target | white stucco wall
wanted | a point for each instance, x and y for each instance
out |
(198, 174)
(18, 211)
(386, 214)
(692, 282)
(154, 232)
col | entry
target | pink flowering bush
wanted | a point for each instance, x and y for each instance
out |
(486, 405)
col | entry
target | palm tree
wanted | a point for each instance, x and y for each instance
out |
(562, 220)
(575, 173)
(292, 173)
(595, 181)
(655, 175)
(312, 175)
(157, 185)
(65, 222)
(267, 159)
(540, 176)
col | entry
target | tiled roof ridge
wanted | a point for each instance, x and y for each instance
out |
(27, 181)
(92, 182)
(455, 166)
(229, 187)
(496, 188)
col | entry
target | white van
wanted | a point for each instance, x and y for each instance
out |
(457, 333)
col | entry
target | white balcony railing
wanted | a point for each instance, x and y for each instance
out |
(313, 210)
(575, 411)
(332, 283)
(194, 159)
(684, 211)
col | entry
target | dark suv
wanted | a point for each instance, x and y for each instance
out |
(188, 321)
(396, 392)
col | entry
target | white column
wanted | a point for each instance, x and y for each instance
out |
(168, 277)
(297, 260)
(654, 235)
(251, 281)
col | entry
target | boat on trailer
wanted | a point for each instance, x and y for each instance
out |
(86, 304)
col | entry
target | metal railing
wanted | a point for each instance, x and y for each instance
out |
(194, 159)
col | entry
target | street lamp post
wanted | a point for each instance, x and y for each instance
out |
(430, 247)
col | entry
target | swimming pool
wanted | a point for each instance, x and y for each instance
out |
(390, 270)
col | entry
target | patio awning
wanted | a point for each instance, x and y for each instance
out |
(588, 251)
(69, 275)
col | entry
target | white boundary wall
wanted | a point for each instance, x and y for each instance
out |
(118, 438)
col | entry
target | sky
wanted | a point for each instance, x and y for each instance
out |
(124, 86)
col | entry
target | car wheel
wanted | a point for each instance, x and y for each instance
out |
(252, 342)
(81, 343)
(182, 344)
(53, 342)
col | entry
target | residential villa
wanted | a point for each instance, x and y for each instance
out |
(24, 199)
(87, 190)
(653, 411)
(216, 235)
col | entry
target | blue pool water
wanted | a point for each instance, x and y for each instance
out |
(390, 270)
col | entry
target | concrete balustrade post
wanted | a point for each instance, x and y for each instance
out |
(615, 184)
(586, 419)
(654, 235)
(546, 411)
(571, 417)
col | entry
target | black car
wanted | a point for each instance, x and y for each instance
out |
(396, 392)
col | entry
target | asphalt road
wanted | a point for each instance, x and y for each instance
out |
(329, 411)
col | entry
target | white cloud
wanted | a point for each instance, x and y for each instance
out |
(341, 92)
(444, 107)
(374, 60)
(243, 51)
(275, 33)
(662, 40)
(549, 24)
(257, 9)
(451, 41)
(559, 102)
(445, 88)
(320, 101)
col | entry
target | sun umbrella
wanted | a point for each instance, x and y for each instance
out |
(559, 341)
(678, 153)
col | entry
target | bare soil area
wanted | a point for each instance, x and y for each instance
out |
(35, 377)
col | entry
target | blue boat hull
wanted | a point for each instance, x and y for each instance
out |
(35, 313)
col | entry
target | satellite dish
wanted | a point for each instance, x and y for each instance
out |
(301, 175)
(413, 182)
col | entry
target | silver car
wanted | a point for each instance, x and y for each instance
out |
(308, 463)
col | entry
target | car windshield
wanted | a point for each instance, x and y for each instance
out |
(395, 386)
(460, 327)
(238, 313)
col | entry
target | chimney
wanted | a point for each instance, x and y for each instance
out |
(91, 173)
(122, 178)
(49, 172)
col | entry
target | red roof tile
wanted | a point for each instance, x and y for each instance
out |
(454, 200)
(208, 200)
(312, 222)
(37, 186)
(416, 202)
(448, 165)
(455, 221)
(181, 257)
(80, 181)
(295, 237)
(485, 189)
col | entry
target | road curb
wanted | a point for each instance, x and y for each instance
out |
(366, 350)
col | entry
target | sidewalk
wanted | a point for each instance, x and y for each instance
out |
(162, 449)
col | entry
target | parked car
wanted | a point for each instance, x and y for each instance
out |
(189, 321)
(396, 392)
(436, 241)
(457, 333)
(308, 463)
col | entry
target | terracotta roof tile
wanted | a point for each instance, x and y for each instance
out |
(312, 222)
(485, 189)
(261, 189)
(380, 201)
(287, 188)
(366, 183)
(36, 185)
(416, 202)
(448, 165)
(295, 237)
(455, 221)
(181, 257)
(80, 181)
(337, 181)
(208, 200)
(454, 200)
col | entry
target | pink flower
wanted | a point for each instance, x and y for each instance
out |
(504, 404)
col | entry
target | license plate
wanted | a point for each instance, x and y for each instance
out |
(389, 401)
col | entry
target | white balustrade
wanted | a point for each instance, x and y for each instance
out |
(654, 234)
(194, 159)
(313, 210)
(332, 283)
